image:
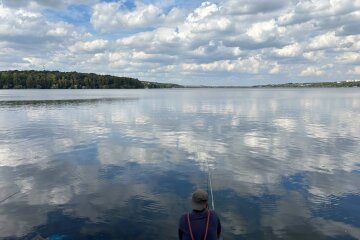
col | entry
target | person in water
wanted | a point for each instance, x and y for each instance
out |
(201, 223)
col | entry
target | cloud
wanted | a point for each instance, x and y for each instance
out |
(332, 42)
(244, 65)
(31, 27)
(314, 55)
(32, 41)
(355, 70)
(97, 45)
(327, 40)
(111, 16)
(349, 57)
(319, 12)
(312, 71)
(253, 7)
(263, 31)
(205, 10)
(276, 69)
(44, 3)
(292, 50)
(206, 18)
(350, 28)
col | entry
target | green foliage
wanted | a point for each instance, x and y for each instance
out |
(313, 85)
(66, 80)
(160, 85)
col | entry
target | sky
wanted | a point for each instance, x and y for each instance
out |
(220, 42)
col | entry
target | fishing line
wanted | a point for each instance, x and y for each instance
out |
(10, 196)
(211, 189)
(210, 184)
(209, 181)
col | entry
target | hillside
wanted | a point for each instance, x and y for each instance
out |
(71, 80)
(348, 83)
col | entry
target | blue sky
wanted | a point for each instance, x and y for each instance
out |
(221, 42)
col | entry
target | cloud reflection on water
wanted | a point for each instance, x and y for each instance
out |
(103, 162)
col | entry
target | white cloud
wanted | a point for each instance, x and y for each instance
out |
(23, 25)
(220, 24)
(317, 11)
(205, 22)
(252, 65)
(215, 51)
(44, 3)
(205, 10)
(292, 50)
(263, 31)
(276, 69)
(253, 7)
(355, 70)
(348, 57)
(324, 41)
(314, 55)
(110, 16)
(312, 71)
(57, 32)
(330, 40)
(35, 61)
(91, 46)
(18, 22)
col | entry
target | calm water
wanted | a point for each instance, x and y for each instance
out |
(121, 164)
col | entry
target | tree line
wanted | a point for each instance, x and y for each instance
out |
(70, 80)
(313, 85)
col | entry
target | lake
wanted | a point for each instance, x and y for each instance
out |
(122, 164)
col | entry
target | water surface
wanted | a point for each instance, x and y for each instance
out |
(121, 164)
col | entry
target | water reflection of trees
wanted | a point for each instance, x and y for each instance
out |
(281, 154)
(62, 102)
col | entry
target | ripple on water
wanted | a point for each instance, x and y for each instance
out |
(284, 163)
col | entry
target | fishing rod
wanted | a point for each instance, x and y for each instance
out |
(210, 184)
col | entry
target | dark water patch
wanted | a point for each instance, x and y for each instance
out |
(112, 171)
(341, 209)
(294, 182)
(38, 130)
(83, 154)
(62, 225)
(62, 102)
(173, 182)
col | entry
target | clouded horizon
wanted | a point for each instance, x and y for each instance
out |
(220, 42)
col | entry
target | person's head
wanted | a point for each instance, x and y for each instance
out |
(199, 199)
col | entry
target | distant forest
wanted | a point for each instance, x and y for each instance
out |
(71, 80)
(313, 85)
